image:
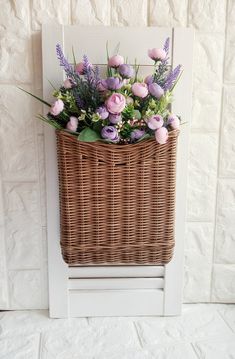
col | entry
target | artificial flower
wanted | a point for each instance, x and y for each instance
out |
(140, 89)
(115, 103)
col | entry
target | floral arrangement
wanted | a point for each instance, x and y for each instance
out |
(122, 108)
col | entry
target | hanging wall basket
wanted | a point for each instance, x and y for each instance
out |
(117, 202)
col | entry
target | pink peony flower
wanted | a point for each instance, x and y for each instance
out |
(115, 61)
(57, 107)
(155, 122)
(72, 124)
(157, 54)
(67, 84)
(80, 68)
(173, 121)
(161, 135)
(115, 103)
(140, 89)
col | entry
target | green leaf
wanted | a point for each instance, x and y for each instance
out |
(52, 85)
(97, 127)
(145, 137)
(51, 122)
(37, 98)
(88, 135)
(74, 58)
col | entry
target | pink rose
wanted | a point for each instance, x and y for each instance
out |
(115, 103)
(155, 122)
(140, 89)
(157, 54)
(79, 68)
(115, 61)
(72, 124)
(161, 135)
(67, 84)
(57, 107)
(173, 121)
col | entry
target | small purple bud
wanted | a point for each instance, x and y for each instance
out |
(126, 71)
(137, 134)
(115, 118)
(112, 83)
(148, 80)
(102, 111)
(156, 90)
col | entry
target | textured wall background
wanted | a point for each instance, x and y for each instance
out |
(210, 242)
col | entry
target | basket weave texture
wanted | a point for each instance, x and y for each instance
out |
(117, 202)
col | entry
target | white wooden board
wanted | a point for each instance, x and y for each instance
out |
(107, 290)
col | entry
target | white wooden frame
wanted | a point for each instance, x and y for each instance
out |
(118, 290)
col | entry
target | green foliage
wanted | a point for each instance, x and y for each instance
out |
(69, 101)
(129, 112)
(37, 98)
(88, 135)
(126, 130)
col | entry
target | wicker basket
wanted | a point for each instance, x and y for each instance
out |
(117, 202)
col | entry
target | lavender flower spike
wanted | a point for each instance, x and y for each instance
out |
(64, 62)
(166, 45)
(171, 78)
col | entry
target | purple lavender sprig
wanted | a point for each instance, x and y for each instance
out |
(90, 74)
(64, 63)
(166, 45)
(87, 69)
(171, 78)
(79, 101)
(163, 67)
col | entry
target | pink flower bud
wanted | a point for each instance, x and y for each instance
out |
(115, 61)
(72, 124)
(140, 89)
(161, 135)
(155, 122)
(157, 54)
(173, 121)
(79, 68)
(57, 107)
(67, 84)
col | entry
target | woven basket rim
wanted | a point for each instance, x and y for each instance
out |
(172, 134)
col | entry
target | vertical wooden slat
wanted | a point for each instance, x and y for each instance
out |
(57, 269)
(182, 54)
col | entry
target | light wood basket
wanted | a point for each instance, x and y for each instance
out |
(117, 202)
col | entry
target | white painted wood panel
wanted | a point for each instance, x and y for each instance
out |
(116, 271)
(116, 283)
(116, 303)
(134, 42)
(182, 54)
(95, 302)
(57, 269)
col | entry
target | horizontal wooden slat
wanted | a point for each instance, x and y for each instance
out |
(115, 303)
(116, 271)
(116, 283)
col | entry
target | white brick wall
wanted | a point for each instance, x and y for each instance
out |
(210, 242)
